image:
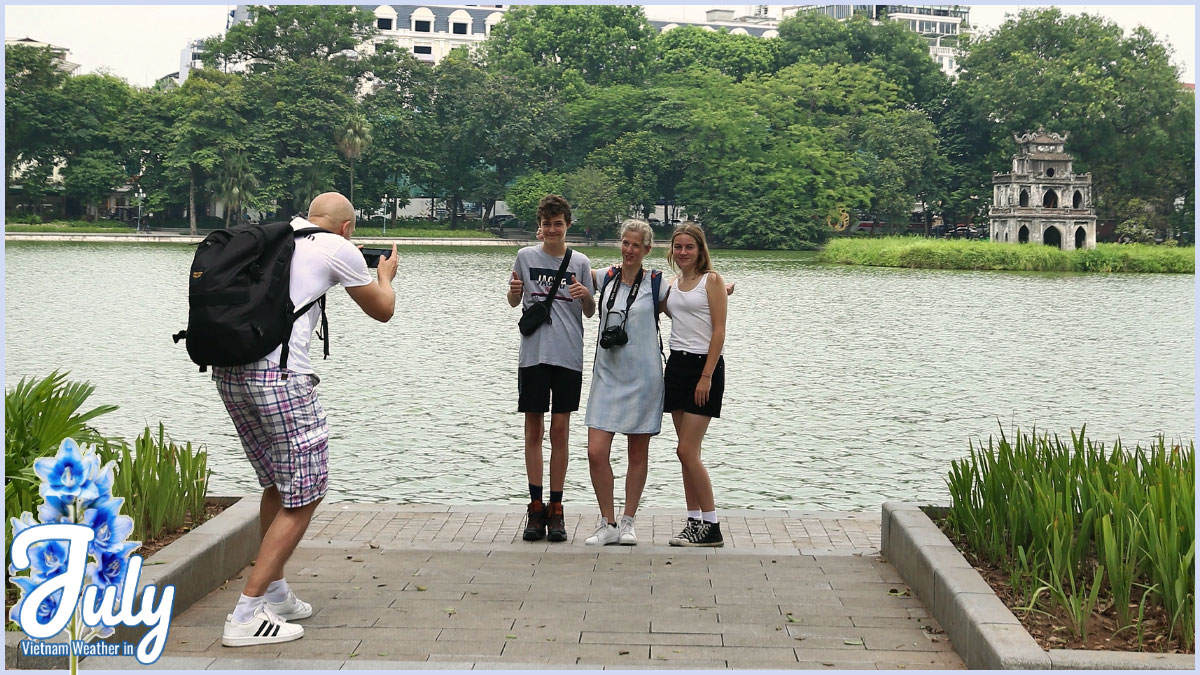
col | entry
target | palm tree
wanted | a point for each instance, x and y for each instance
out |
(234, 184)
(311, 181)
(352, 140)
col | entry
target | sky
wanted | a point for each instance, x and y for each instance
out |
(142, 43)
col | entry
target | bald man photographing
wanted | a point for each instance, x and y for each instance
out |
(282, 424)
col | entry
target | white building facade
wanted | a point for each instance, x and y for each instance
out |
(430, 32)
(940, 25)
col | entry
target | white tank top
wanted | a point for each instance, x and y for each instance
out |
(691, 318)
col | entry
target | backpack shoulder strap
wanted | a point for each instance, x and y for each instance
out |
(324, 332)
(305, 231)
(656, 291)
(608, 276)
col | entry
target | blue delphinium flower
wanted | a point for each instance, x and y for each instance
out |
(47, 559)
(68, 475)
(103, 479)
(52, 510)
(109, 527)
(110, 568)
(48, 607)
(26, 584)
(76, 489)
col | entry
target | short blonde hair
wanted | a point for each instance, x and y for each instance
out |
(692, 229)
(639, 226)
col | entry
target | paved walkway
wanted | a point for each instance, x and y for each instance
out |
(420, 587)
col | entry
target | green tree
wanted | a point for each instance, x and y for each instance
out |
(98, 106)
(304, 72)
(278, 34)
(596, 201)
(353, 137)
(92, 176)
(208, 115)
(636, 160)
(233, 182)
(34, 108)
(734, 55)
(564, 46)
(1113, 93)
(901, 55)
(397, 109)
(899, 160)
(527, 191)
(522, 129)
(456, 145)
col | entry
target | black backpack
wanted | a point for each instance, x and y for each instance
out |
(239, 301)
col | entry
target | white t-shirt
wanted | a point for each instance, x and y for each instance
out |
(321, 261)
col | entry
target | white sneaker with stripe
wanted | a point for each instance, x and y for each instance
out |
(264, 627)
(291, 608)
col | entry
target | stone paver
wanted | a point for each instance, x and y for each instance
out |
(435, 586)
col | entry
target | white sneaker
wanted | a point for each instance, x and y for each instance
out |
(265, 627)
(628, 536)
(292, 608)
(606, 535)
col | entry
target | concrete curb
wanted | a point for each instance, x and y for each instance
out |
(195, 564)
(983, 630)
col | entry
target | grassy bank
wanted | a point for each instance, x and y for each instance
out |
(422, 233)
(961, 254)
(69, 228)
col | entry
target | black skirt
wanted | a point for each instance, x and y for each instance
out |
(682, 374)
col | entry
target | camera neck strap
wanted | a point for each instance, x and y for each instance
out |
(612, 297)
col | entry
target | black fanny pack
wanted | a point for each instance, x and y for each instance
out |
(538, 313)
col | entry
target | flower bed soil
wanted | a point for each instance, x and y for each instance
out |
(1050, 625)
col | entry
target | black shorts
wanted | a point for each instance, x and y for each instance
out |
(682, 374)
(535, 384)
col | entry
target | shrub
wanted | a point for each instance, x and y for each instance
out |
(160, 480)
(23, 219)
(1057, 516)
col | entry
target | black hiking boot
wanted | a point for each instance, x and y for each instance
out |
(535, 522)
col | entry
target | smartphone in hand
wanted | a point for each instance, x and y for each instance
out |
(374, 255)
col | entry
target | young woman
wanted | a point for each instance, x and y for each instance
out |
(695, 373)
(627, 384)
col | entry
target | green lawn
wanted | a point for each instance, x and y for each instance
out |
(962, 254)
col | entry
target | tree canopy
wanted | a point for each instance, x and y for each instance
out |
(765, 141)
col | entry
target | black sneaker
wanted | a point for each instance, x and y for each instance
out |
(556, 524)
(704, 534)
(692, 523)
(535, 522)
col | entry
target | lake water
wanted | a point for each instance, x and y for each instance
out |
(846, 386)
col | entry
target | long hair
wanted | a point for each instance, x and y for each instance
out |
(692, 229)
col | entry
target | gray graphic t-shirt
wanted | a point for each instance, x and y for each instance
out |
(560, 341)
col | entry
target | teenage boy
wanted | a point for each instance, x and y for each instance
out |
(551, 360)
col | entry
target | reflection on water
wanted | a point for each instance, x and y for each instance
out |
(846, 386)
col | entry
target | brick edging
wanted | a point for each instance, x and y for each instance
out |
(983, 630)
(195, 564)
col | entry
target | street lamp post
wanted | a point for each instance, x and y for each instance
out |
(140, 195)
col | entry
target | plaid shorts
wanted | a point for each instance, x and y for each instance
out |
(282, 427)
